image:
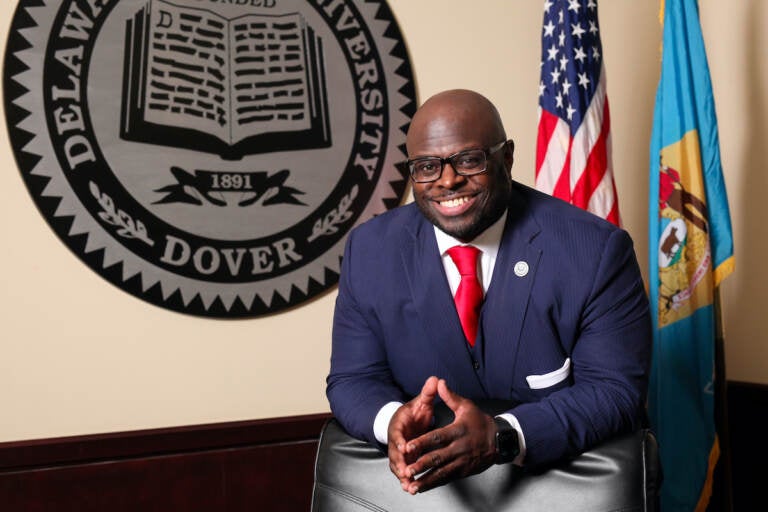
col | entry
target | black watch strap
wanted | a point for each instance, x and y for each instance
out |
(507, 443)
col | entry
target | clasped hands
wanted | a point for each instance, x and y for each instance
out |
(423, 459)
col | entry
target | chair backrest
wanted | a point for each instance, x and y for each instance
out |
(622, 474)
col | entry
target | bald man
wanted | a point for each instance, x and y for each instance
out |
(557, 323)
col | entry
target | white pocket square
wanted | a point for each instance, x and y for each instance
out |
(550, 379)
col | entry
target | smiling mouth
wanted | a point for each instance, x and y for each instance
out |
(455, 206)
(453, 203)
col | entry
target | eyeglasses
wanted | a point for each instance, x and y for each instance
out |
(466, 163)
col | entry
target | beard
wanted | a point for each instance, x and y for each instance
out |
(468, 226)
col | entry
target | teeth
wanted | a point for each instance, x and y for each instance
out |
(452, 203)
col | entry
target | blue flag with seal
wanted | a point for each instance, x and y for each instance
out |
(691, 252)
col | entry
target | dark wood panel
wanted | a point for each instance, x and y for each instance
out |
(269, 478)
(747, 419)
(257, 465)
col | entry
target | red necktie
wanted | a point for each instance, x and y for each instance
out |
(469, 295)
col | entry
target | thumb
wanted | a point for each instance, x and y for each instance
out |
(428, 392)
(450, 398)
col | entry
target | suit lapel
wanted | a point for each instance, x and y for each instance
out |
(434, 303)
(509, 295)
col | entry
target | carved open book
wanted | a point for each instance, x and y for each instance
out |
(194, 79)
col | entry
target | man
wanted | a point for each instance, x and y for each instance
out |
(563, 331)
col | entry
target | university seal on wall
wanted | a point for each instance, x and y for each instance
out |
(209, 156)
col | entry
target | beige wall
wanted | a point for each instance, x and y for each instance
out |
(78, 355)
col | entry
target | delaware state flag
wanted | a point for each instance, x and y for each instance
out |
(691, 252)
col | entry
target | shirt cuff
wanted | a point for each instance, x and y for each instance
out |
(383, 417)
(509, 418)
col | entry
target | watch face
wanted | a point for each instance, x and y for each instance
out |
(508, 441)
(507, 444)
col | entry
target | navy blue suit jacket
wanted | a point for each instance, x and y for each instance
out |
(582, 299)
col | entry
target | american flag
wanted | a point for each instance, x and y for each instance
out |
(573, 149)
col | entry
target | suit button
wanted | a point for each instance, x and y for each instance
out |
(475, 365)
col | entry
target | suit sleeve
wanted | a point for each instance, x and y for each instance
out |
(610, 359)
(359, 383)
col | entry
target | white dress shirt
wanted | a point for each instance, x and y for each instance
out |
(488, 242)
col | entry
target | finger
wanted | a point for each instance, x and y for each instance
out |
(400, 428)
(397, 439)
(396, 461)
(432, 440)
(435, 478)
(398, 465)
(396, 447)
(401, 475)
(404, 461)
(450, 398)
(430, 461)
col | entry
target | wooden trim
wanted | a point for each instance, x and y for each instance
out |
(755, 389)
(237, 466)
(17, 455)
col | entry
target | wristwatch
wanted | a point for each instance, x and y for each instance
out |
(507, 444)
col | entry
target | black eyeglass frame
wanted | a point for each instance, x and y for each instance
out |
(449, 159)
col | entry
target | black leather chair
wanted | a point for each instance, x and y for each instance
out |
(622, 474)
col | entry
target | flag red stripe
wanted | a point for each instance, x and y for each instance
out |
(547, 125)
(613, 215)
(553, 156)
(563, 186)
(596, 167)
